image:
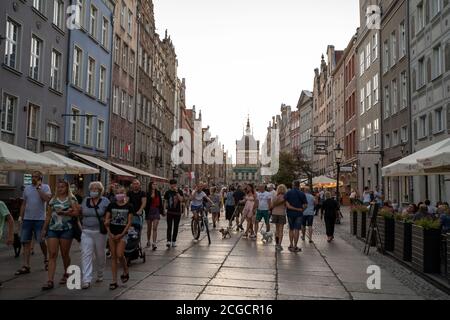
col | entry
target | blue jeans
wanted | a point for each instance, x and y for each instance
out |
(29, 227)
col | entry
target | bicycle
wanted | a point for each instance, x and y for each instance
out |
(201, 224)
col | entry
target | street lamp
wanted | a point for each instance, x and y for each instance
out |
(338, 152)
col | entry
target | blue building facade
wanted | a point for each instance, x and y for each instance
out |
(89, 78)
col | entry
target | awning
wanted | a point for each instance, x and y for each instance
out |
(410, 166)
(70, 166)
(103, 165)
(439, 161)
(325, 182)
(14, 158)
(140, 172)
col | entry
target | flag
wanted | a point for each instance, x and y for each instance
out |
(127, 148)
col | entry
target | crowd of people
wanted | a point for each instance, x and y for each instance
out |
(102, 220)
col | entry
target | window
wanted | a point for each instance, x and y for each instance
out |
(114, 147)
(375, 89)
(116, 100)
(395, 138)
(439, 120)
(75, 126)
(100, 134)
(386, 57)
(51, 133)
(121, 149)
(117, 49)
(393, 49)
(79, 17)
(39, 5)
(149, 110)
(130, 22)
(145, 63)
(363, 133)
(376, 133)
(88, 130)
(77, 65)
(387, 141)
(375, 46)
(404, 134)
(102, 84)
(387, 102)
(105, 28)
(33, 120)
(93, 22)
(394, 97)
(435, 7)
(125, 57)
(132, 63)
(12, 44)
(123, 105)
(403, 91)
(58, 13)
(369, 95)
(423, 127)
(123, 13)
(55, 72)
(131, 109)
(139, 107)
(140, 56)
(361, 63)
(402, 48)
(362, 99)
(368, 135)
(420, 17)
(368, 52)
(437, 61)
(8, 113)
(421, 71)
(90, 87)
(35, 59)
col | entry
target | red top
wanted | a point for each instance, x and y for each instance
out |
(155, 202)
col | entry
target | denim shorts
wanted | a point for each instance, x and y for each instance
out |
(295, 222)
(308, 221)
(60, 234)
(30, 227)
(262, 214)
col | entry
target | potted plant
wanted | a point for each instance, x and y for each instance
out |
(403, 237)
(426, 241)
(353, 220)
(361, 225)
(386, 228)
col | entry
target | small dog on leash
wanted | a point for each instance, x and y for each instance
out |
(225, 233)
(267, 236)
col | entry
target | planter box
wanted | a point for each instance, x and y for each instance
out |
(361, 230)
(353, 222)
(448, 257)
(426, 253)
(386, 227)
(403, 241)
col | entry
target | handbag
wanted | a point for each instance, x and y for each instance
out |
(100, 222)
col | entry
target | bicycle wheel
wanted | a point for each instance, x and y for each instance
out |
(207, 228)
(195, 228)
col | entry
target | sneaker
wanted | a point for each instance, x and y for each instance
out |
(174, 244)
(149, 244)
(154, 247)
(303, 238)
(280, 248)
(297, 249)
(85, 286)
(168, 244)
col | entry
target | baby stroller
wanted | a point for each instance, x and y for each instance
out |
(133, 249)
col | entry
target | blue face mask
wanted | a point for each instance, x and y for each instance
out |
(94, 194)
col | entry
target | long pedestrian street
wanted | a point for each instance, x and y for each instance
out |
(235, 269)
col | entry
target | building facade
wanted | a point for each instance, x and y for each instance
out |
(32, 78)
(284, 121)
(368, 97)
(430, 86)
(305, 108)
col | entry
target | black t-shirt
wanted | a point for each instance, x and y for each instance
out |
(238, 196)
(330, 207)
(119, 216)
(136, 199)
(173, 203)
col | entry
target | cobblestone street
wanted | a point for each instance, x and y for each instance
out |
(236, 269)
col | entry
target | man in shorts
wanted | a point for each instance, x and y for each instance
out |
(263, 203)
(295, 203)
(308, 215)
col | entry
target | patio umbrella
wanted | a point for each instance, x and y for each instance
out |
(70, 166)
(325, 182)
(14, 158)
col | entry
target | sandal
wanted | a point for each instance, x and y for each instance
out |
(49, 286)
(23, 270)
(64, 279)
(113, 286)
(125, 278)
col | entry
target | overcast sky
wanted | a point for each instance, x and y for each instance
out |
(244, 57)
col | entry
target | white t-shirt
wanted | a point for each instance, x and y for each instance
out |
(366, 197)
(198, 199)
(263, 199)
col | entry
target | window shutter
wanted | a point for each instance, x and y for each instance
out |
(413, 27)
(447, 57)
(430, 124)
(414, 82)
(415, 130)
(429, 71)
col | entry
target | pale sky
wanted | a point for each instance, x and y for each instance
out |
(244, 57)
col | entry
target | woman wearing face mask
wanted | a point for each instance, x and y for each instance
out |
(93, 242)
(119, 216)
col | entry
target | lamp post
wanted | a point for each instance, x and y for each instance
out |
(338, 158)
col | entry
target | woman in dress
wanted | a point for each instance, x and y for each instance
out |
(249, 211)
(154, 212)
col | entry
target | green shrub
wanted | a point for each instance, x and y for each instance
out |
(428, 224)
(385, 213)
